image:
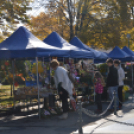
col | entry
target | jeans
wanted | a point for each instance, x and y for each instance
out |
(64, 98)
(120, 95)
(98, 101)
(111, 95)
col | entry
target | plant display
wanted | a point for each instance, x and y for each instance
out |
(125, 92)
(103, 68)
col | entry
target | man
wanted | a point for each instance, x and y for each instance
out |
(112, 82)
(121, 77)
(64, 86)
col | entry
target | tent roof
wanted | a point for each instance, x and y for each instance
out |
(22, 39)
(117, 53)
(128, 51)
(54, 39)
(77, 42)
(23, 44)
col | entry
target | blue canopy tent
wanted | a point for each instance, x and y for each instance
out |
(117, 53)
(23, 44)
(54, 39)
(128, 51)
(97, 54)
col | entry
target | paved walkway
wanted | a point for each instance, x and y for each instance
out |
(108, 125)
(32, 125)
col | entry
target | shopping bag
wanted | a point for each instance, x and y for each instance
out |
(73, 103)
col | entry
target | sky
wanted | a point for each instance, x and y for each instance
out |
(36, 9)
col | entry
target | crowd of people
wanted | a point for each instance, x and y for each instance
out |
(114, 83)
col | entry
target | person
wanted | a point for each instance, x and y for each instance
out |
(64, 86)
(121, 77)
(112, 83)
(99, 90)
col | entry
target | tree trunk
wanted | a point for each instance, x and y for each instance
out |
(70, 19)
(78, 17)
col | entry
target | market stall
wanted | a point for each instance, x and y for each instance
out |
(98, 55)
(76, 57)
(77, 52)
(22, 44)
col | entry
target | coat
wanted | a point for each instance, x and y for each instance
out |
(61, 76)
(121, 76)
(112, 78)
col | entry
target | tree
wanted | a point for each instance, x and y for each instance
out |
(11, 13)
(64, 11)
(99, 23)
(102, 23)
(43, 24)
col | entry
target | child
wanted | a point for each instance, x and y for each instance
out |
(99, 82)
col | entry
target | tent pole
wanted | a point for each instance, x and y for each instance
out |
(132, 80)
(13, 82)
(43, 67)
(93, 80)
(63, 60)
(43, 62)
(50, 72)
(38, 87)
(132, 75)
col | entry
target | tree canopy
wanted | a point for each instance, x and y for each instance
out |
(100, 23)
(12, 12)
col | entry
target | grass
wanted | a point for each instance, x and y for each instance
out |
(5, 94)
(6, 100)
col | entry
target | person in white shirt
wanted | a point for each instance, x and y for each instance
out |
(121, 77)
(64, 86)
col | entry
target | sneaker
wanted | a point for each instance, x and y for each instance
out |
(63, 116)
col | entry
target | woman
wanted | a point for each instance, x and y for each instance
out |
(64, 86)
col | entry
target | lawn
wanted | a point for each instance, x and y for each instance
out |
(5, 95)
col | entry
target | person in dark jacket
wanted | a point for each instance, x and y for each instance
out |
(112, 83)
(121, 77)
